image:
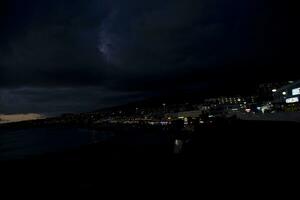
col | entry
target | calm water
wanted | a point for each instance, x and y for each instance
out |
(23, 143)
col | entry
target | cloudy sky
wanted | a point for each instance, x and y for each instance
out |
(61, 56)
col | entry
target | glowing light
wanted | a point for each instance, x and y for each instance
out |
(274, 90)
(283, 93)
(296, 91)
(186, 122)
(292, 100)
(164, 123)
(178, 146)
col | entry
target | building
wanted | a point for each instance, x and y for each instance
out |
(230, 104)
(266, 90)
(225, 100)
(287, 98)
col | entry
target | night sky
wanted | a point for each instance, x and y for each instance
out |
(61, 56)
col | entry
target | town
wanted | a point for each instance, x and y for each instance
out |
(273, 102)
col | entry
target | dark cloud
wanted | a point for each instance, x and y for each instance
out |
(53, 101)
(141, 46)
(173, 43)
(52, 43)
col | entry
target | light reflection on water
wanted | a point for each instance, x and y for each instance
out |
(22, 143)
(178, 144)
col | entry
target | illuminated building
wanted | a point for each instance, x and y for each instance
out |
(266, 90)
(230, 104)
(287, 98)
(225, 100)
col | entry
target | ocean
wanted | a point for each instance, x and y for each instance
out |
(22, 144)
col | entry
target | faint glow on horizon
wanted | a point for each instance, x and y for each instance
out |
(19, 117)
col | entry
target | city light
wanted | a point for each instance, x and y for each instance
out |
(296, 91)
(199, 113)
(292, 100)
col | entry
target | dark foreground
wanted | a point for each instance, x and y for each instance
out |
(236, 157)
